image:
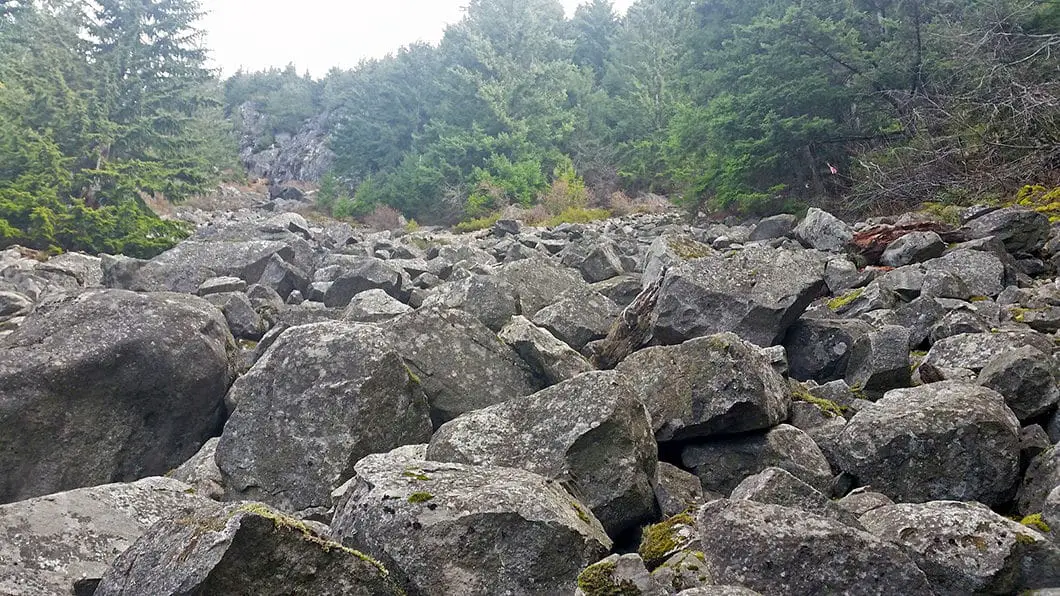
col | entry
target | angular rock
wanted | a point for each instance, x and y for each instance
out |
(915, 247)
(13, 304)
(219, 285)
(722, 465)
(777, 226)
(880, 360)
(110, 386)
(819, 348)
(596, 261)
(757, 293)
(974, 351)
(669, 250)
(323, 396)
(360, 274)
(861, 501)
(591, 432)
(982, 272)
(243, 321)
(823, 231)
(765, 547)
(201, 472)
(707, 387)
(676, 490)
(51, 542)
(619, 574)
(1041, 478)
(462, 365)
(552, 359)
(578, 318)
(444, 528)
(538, 282)
(947, 440)
(1026, 378)
(488, 298)
(777, 486)
(374, 306)
(284, 277)
(965, 548)
(1021, 230)
(242, 548)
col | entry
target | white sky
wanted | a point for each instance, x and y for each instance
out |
(319, 34)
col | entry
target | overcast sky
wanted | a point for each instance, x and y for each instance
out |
(319, 34)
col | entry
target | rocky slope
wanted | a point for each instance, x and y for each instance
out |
(636, 406)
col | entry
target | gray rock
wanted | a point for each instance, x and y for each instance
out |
(880, 360)
(765, 547)
(374, 306)
(915, 247)
(777, 486)
(360, 274)
(201, 472)
(1051, 514)
(1041, 478)
(286, 278)
(947, 440)
(906, 282)
(621, 290)
(718, 591)
(110, 385)
(578, 318)
(538, 282)
(596, 261)
(1026, 378)
(819, 348)
(721, 465)
(862, 501)
(823, 231)
(322, 397)
(1021, 230)
(552, 359)
(13, 304)
(974, 351)
(242, 548)
(965, 548)
(958, 322)
(86, 269)
(939, 283)
(219, 285)
(445, 528)
(488, 298)
(243, 321)
(841, 275)
(591, 432)
(982, 272)
(707, 387)
(669, 250)
(462, 365)
(756, 292)
(51, 542)
(777, 226)
(676, 490)
(620, 574)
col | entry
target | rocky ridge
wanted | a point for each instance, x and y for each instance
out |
(634, 406)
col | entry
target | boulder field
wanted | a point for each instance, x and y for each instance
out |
(637, 406)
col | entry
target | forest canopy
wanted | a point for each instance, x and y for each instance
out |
(742, 106)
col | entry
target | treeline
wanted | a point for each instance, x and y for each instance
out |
(102, 104)
(741, 105)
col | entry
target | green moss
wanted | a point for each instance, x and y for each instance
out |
(826, 405)
(247, 344)
(950, 214)
(598, 579)
(413, 377)
(840, 302)
(1036, 522)
(420, 497)
(1025, 539)
(659, 540)
(687, 249)
(477, 224)
(582, 515)
(415, 475)
(978, 299)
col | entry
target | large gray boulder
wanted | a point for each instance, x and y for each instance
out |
(539, 282)
(780, 550)
(880, 360)
(324, 396)
(823, 231)
(1021, 230)
(591, 432)
(668, 250)
(974, 351)
(374, 306)
(462, 365)
(914, 247)
(108, 386)
(360, 274)
(578, 318)
(488, 298)
(707, 387)
(596, 261)
(982, 272)
(819, 348)
(777, 226)
(243, 321)
(201, 472)
(965, 548)
(777, 486)
(445, 528)
(947, 440)
(1026, 377)
(723, 464)
(242, 548)
(552, 359)
(757, 293)
(51, 542)
(1041, 478)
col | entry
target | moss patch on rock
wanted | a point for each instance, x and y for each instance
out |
(659, 541)
(840, 302)
(1036, 522)
(598, 579)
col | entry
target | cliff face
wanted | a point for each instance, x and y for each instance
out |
(303, 156)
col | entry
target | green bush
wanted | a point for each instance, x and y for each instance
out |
(480, 223)
(578, 215)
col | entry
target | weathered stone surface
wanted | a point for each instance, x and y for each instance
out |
(676, 490)
(552, 359)
(591, 432)
(359, 274)
(777, 486)
(539, 282)
(1026, 377)
(974, 351)
(242, 548)
(13, 304)
(578, 318)
(965, 548)
(1051, 514)
(766, 547)
(756, 292)
(374, 306)
(708, 386)
(914, 247)
(823, 231)
(462, 365)
(721, 465)
(322, 397)
(948, 440)
(596, 261)
(982, 272)
(109, 386)
(243, 321)
(201, 472)
(445, 528)
(1041, 478)
(488, 298)
(1021, 230)
(218, 285)
(777, 226)
(819, 348)
(620, 574)
(49, 543)
(880, 360)
(861, 501)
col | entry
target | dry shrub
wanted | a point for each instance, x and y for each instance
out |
(384, 217)
(620, 204)
(652, 203)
